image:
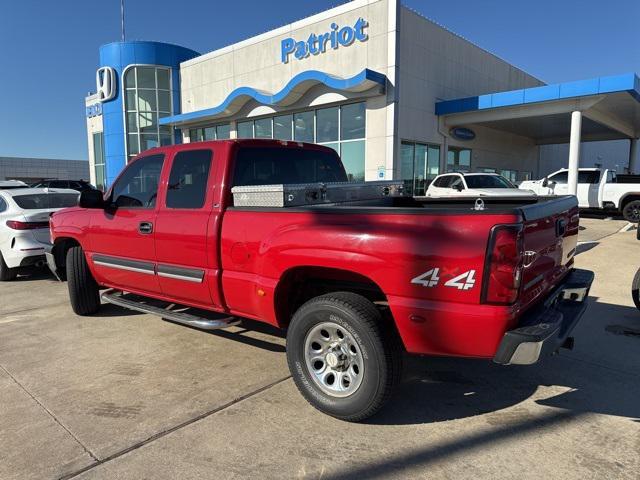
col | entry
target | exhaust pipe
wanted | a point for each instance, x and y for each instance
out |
(40, 263)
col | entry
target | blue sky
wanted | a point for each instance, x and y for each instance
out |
(49, 49)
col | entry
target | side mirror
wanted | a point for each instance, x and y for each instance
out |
(92, 199)
(545, 182)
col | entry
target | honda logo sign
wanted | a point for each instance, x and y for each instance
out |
(106, 84)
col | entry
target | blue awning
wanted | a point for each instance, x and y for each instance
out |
(611, 107)
(291, 93)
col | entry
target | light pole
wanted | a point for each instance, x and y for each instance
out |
(122, 19)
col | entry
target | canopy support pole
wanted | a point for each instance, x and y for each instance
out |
(574, 151)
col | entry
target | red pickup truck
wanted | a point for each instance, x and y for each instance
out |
(357, 284)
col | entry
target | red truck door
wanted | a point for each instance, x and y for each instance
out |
(122, 235)
(186, 229)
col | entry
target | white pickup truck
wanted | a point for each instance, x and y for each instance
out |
(597, 188)
(474, 185)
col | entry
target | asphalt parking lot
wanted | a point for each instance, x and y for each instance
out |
(126, 395)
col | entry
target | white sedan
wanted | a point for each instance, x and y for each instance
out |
(24, 225)
(474, 185)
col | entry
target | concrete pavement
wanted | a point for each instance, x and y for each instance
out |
(124, 395)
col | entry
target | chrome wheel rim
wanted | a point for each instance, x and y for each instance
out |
(334, 359)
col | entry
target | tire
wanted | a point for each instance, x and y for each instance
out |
(635, 289)
(357, 391)
(631, 211)
(6, 273)
(84, 293)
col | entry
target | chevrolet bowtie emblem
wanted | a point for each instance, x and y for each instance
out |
(529, 257)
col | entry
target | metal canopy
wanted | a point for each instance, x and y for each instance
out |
(610, 107)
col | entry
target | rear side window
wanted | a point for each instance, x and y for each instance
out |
(270, 166)
(138, 185)
(3, 205)
(37, 201)
(188, 179)
(592, 176)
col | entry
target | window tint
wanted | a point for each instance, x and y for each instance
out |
(443, 182)
(58, 184)
(589, 176)
(269, 166)
(37, 201)
(456, 183)
(488, 181)
(188, 179)
(3, 205)
(559, 178)
(138, 186)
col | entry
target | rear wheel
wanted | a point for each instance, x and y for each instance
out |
(343, 358)
(6, 273)
(83, 289)
(631, 211)
(635, 289)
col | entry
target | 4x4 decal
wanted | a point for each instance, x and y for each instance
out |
(430, 278)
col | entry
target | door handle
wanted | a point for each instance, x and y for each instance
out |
(145, 228)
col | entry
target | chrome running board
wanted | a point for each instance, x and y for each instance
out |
(141, 304)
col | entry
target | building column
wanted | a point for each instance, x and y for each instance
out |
(634, 161)
(574, 151)
(443, 154)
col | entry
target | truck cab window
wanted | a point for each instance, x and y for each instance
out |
(271, 166)
(559, 178)
(138, 185)
(188, 179)
(589, 176)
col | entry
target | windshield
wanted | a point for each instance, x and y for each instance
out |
(37, 201)
(488, 181)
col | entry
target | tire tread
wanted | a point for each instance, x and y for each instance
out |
(84, 293)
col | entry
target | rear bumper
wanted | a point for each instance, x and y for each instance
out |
(547, 327)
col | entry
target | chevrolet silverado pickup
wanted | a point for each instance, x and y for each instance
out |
(356, 284)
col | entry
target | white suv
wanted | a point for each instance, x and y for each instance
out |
(24, 225)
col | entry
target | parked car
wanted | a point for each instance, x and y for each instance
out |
(597, 188)
(12, 184)
(355, 284)
(474, 185)
(24, 225)
(78, 185)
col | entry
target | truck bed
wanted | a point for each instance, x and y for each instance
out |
(529, 208)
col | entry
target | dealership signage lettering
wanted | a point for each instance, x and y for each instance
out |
(94, 110)
(318, 43)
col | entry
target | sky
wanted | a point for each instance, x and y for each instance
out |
(49, 49)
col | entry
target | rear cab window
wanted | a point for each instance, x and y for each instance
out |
(275, 166)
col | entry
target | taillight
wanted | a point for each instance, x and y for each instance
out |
(17, 225)
(503, 265)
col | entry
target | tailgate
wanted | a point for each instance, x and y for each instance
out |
(550, 239)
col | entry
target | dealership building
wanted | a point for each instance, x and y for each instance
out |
(395, 94)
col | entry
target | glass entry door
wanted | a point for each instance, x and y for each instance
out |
(419, 164)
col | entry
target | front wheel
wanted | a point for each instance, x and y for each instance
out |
(635, 289)
(84, 293)
(631, 211)
(343, 358)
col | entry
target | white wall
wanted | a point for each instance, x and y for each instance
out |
(435, 65)
(612, 154)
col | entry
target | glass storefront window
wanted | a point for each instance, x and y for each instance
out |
(303, 127)
(458, 160)
(510, 174)
(147, 98)
(245, 129)
(352, 121)
(352, 154)
(263, 128)
(223, 131)
(98, 160)
(282, 127)
(327, 125)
